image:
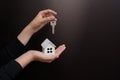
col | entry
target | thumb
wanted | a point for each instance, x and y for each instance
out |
(60, 49)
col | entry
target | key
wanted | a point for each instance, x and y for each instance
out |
(53, 24)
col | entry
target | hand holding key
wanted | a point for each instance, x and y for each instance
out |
(53, 24)
(42, 18)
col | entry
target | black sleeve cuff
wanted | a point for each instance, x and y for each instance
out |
(16, 49)
(10, 71)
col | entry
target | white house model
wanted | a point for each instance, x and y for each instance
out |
(48, 47)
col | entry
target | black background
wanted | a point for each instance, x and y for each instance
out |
(89, 28)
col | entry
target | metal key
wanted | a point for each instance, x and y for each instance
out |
(53, 24)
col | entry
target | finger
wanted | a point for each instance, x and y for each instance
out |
(60, 49)
(48, 19)
(48, 11)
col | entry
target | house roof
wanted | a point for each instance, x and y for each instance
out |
(47, 42)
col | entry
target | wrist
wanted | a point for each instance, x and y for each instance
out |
(34, 27)
(25, 59)
(33, 55)
(25, 35)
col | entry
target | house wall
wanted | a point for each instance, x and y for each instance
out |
(89, 28)
(49, 46)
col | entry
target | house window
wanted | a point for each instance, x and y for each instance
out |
(49, 50)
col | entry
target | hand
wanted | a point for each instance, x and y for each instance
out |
(42, 19)
(36, 24)
(34, 55)
(42, 57)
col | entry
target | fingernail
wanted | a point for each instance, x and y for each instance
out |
(63, 45)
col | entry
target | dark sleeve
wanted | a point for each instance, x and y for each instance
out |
(10, 71)
(11, 51)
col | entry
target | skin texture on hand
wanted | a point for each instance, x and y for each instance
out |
(34, 55)
(36, 24)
